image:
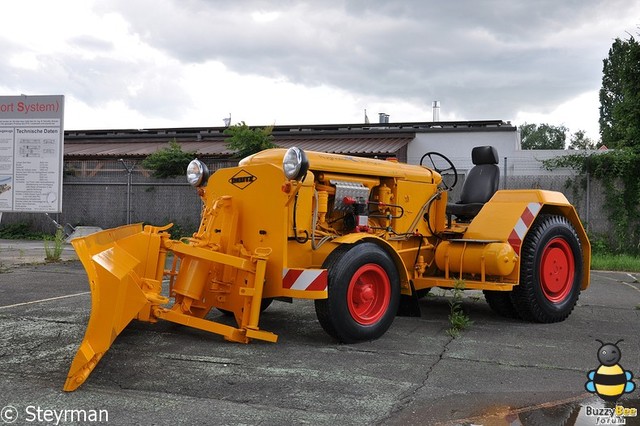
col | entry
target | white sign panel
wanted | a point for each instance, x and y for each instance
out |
(31, 153)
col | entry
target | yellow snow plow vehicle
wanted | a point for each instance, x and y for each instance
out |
(364, 238)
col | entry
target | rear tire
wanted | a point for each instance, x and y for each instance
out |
(550, 271)
(363, 293)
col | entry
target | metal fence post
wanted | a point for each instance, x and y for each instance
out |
(588, 199)
(504, 183)
(129, 171)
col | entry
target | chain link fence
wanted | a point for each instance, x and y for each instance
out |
(112, 193)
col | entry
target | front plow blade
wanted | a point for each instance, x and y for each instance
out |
(121, 263)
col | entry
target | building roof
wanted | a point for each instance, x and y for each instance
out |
(350, 144)
(370, 139)
(357, 145)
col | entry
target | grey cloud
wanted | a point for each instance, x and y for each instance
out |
(477, 57)
(102, 79)
(91, 44)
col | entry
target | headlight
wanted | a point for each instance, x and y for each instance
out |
(295, 164)
(197, 173)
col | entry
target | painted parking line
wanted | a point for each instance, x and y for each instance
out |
(631, 284)
(44, 300)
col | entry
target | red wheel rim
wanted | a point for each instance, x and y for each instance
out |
(557, 270)
(369, 294)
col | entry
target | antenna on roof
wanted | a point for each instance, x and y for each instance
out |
(227, 121)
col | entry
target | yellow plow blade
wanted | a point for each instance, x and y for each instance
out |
(117, 283)
(125, 267)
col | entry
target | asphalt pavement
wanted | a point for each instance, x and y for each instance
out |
(415, 374)
(21, 252)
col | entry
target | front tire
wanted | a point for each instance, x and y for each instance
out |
(550, 271)
(363, 293)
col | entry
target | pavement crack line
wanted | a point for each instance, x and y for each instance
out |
(201, 359)
(506, 364)
(356, 350)
(163, 395)
(409, 396)
(34, 319)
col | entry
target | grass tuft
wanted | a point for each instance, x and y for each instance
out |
(457, 317)
(53, 246)
(615, 262)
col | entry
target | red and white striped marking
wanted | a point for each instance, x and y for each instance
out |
(304, 279)
(522, 226)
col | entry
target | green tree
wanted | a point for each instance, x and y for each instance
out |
(169, 162)
(579, 140)
(619, 168)
(244, 140)
(543, 136)
(620, 95)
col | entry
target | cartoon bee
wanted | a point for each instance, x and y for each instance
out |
(610, 380)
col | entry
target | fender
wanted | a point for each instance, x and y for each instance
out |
(508, 215)
(355, 238)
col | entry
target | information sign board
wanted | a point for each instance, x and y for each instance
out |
(31, 153)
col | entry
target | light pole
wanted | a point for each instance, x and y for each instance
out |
(129, 171)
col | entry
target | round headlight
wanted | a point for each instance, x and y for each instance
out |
(197, 173)
(295, 163)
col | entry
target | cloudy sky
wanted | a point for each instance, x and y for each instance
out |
(184, 63)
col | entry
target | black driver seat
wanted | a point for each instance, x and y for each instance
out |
(479, 186)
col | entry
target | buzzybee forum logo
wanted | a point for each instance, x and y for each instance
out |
(609, 381)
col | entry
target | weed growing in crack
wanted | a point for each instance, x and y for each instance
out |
(457, 318)
(53, 246)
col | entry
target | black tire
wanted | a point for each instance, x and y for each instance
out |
(363, 293)
(421, 294)
(500, 303)
(550, 271)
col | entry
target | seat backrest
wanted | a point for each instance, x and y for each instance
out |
(483, 178)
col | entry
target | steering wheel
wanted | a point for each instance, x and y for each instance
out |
(451, 168)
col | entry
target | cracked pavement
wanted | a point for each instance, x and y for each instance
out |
(415, 374)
